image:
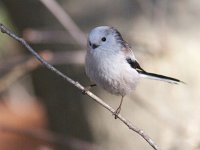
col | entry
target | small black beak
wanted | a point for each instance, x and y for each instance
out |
(94, 46)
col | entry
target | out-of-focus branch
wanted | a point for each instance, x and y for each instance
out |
(67, 57)
(24, 64)
(56, 58)
(130, 125)
(49, 137)
(66, 21)
(36, 36)
(19, 68)
(17, 72)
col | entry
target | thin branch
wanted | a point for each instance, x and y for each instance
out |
(49, 137)
(80, 87)
(65, 20)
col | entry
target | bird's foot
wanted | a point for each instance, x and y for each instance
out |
(87, 88)
(116, 112)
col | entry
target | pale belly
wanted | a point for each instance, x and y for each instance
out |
(118, 79)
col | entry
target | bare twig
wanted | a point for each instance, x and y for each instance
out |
(79, 86)
(65, 20)
(49, 137)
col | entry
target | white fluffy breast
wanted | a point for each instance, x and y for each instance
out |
(111, 71)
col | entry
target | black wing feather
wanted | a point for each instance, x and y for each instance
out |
(134, 64)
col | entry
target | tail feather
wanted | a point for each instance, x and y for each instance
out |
(134, 64)
(160, 77)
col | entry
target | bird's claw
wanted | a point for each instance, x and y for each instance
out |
(87, 88)
(116, 112)
(84, 91)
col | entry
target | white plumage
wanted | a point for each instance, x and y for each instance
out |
(111, 64)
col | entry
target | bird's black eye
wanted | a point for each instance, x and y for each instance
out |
(90, 43)
(103, 39)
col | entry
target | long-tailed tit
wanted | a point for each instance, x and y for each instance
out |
(111, 64)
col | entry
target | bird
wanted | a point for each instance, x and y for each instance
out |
(111, 64)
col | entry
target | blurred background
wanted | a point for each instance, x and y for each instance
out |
(40, 111)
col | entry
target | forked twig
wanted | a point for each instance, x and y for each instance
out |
(79, 86)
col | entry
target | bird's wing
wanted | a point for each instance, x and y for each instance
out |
(134, 64)
(128, 52)
(130, 58)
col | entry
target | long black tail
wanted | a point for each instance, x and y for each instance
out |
(134, 64)
(154, 76)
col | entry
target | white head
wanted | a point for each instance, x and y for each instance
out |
(105, 38)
